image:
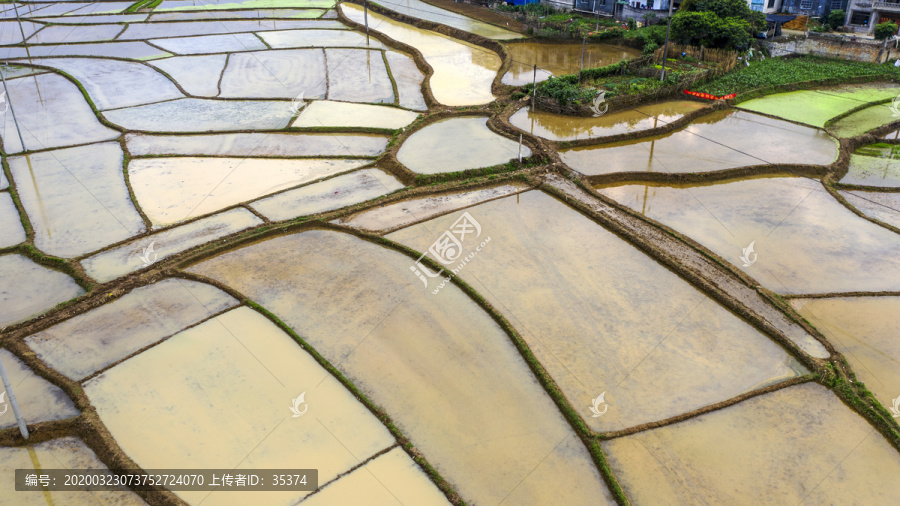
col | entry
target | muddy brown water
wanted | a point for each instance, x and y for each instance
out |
(559, 59)
(804, 241)
(457, 144)
(463, 72)
(220, 396)
(720, 140)
(864, 329)
(602, 317)
(799, 445)
(447, 374)
(558, 127)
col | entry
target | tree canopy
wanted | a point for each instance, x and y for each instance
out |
(727, 24)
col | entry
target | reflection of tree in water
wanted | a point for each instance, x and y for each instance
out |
(561, 59)
(572, 127)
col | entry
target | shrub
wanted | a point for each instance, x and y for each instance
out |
(708, 29)
(566, 89)
(650, 48)
(773, 72)
(727, 24)
(646, 35)
(632, 24)
(605, 34)
(885, 30)
(835, 19)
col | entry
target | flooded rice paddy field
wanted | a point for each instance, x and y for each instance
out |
(559, 59)
(238, 235)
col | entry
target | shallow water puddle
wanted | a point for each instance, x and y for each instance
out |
(202, 115)
(862, 121)
(70, 34)
(38, 101)
(91, 341)
(144, 31)
(558, 127)
(112, 84)
(198, 75)
(258, 144)
(602, 317)
(804, 241)
(39, 400)
(175, 189)
(129, 257)
(463, 72)
(428, 12)
(220, 396)
(192, 5)
(871, 171)
(436, 147)
(328, 195)
(879, 150)
(133, 50)
(249, 14)
(815, 107)
(325, 113)
(27, 289)
(401, 214)
(408, 78)
(10, 33)
(797, 445)
(718, 141)
(12, 72)
(864, 329)
(211, 44)
(375, 483)
(28, 11)
(421, 357)
(275, 74)
(78, 18)
(559, 59)
(318, 38)
(63, 453)
(358, 75)
(105, 7)
(76, 198)
(882, 206)
(11, 230)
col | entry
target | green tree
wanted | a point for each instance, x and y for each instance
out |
(727, 24)
(835, 19)
(727, 9)
(885, 30)
(708, 29)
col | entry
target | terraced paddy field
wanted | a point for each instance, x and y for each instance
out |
(249, 235)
